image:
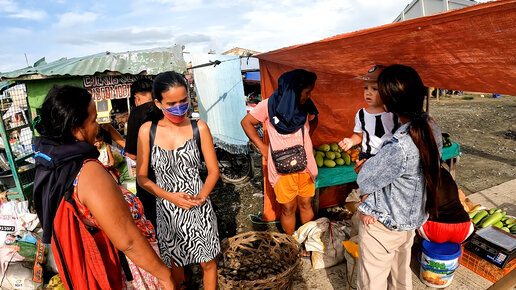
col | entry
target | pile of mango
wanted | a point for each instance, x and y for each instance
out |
(331, 155)
(353, 152)
(493, 217)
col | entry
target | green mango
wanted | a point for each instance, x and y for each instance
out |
(346, 157)
(330, 155)
(334, 147)
(340, 161)
(329, 163)
(324, 147)
(337, 155)
(320, 153)
(319, 160)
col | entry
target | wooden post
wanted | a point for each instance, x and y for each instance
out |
(315, 203)
(437, 94)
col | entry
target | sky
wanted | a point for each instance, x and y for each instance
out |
(32, 29)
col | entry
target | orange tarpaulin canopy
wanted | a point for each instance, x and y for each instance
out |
(471, 49)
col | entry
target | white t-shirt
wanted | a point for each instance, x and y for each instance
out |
(370, 142)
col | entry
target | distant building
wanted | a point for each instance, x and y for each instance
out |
(250, 68)
(240, 52)
(419, 8)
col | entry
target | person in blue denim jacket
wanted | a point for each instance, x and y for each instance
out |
(398, 185)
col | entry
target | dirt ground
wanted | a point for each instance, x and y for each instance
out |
(485, 128)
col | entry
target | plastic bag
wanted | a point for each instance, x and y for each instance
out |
(19, 276)
(324, 239)
(10, 217)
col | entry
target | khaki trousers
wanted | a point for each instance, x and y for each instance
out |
(384, 257)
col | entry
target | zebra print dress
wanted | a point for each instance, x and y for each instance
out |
(186, 236)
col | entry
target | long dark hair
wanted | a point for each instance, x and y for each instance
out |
(403, 93)
(164, 81)
(64, 108)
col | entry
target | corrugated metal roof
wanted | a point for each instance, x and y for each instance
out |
(4, 85)
(151, 61)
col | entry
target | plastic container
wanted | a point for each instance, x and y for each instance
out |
(485, 268)
(496, 96)
(438, 263)
(131, 167)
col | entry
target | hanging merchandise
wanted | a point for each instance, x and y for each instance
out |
(10, 217)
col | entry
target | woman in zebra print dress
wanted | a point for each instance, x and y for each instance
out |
(186, 223)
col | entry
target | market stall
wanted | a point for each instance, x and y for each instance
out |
(464, 49)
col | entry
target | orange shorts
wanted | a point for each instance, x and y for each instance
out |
(291, 185)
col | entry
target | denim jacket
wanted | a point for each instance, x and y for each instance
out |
(395, 182)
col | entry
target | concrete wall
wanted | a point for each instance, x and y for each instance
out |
(419, 8)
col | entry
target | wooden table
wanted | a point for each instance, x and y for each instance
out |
(345, 174)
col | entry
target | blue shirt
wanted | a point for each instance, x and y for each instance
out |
(395, 182)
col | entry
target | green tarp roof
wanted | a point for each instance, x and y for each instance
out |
(151, 61)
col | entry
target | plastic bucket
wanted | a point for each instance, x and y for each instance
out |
(438, 263)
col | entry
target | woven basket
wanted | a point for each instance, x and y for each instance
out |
(258, 260)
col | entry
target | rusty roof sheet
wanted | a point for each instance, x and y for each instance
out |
(150, 61)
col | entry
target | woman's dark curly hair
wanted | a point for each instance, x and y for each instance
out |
(64, 108)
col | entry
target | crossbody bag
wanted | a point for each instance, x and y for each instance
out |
(291, 159)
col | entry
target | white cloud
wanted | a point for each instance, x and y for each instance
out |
(129, 36)
(10, 62)
(29, 14)
(18, 31)
(269, 25)
(11, 9)
(70, 19)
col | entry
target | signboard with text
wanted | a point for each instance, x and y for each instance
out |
(110, 87)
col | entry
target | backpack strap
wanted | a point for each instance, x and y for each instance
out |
(364, 131)
(60, 256)
(197, 137)
(152, 136)
(152, 133)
